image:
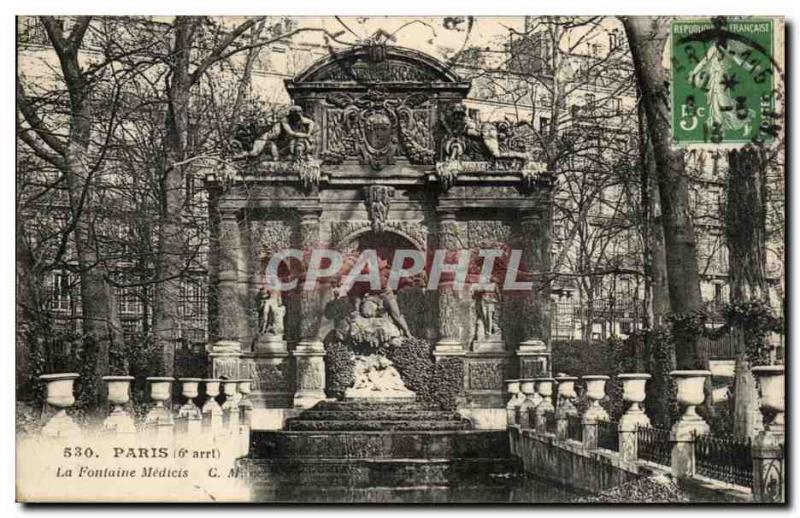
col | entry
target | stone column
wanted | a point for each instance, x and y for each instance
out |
(595, 391)
(690, 424)
(769, 464)
(533, 352)
(310, 351)
(449, 303)
(565, 407)
(633, 391)
(231, 305)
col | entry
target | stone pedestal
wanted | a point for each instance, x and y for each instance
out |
(310, 365)
(534, 359)
(269, 345)
(633, 387)
(769, 464)
(769, 467)
(682, 434)
(595, 391)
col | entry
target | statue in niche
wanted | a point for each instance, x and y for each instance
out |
(487, 324)
(271, 312)
(291, 136)
(375, 324)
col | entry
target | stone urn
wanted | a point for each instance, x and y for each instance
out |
(566, 394)
(544, 387)
(212, 412)
(772, 393)
(160, 391)
(119, 393)
(690, 394)
(633, 392)
(529, 404)
(189, 415)
(516, 399)
(60, 395)
(595, 391)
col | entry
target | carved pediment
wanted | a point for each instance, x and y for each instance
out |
(377, 64)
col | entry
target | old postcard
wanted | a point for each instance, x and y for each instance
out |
(534, 259)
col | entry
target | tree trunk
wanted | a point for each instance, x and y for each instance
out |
(100, 315)
(745, 229)
(647, 37)
(171, 243)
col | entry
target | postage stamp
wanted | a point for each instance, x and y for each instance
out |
(723, 74)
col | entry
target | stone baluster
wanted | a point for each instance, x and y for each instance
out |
(633, 392)
(514, 402)
(212, 412)
(159, 418)
(565, 406)
(245, 415)
(769, 464)
(119, 393)
(310, 351)
(595, 391)
(529, 404)
(61, 397)
(544, 387)
(682, 434)
(190, 418)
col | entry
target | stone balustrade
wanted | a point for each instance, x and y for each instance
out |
(225, 426)
(532, 400)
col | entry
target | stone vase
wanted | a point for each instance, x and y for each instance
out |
(160, 391)
(633, 392)
(516, 399)
(544, 387)
(60, 395)
(119, 393)
(189, 415)
(566, 395)
(690, 395)
(529, 404)
(212, 411)
(595, 391)
(772, 394)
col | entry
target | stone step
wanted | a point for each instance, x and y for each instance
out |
(380, 415)
(462, 444)
(364, 473)
(359, 405)
(302, 424)
(386, 495)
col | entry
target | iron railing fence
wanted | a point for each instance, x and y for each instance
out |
(574, 428)
(608, 435)
(724, 458)
(653, 445)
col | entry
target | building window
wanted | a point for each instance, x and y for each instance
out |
(718, 293)
(626, 327)
(60, 299)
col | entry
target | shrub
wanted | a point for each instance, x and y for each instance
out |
(339, 364)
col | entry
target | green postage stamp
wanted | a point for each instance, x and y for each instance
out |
(723, 76)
